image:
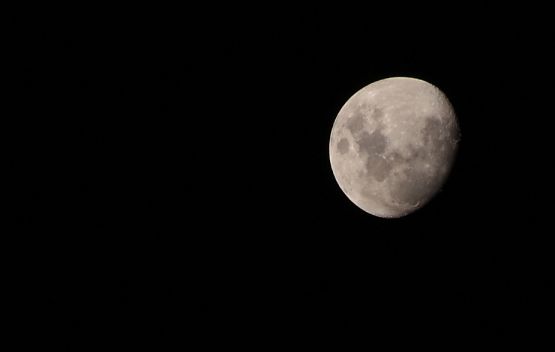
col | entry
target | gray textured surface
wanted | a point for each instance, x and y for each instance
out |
(393, 144)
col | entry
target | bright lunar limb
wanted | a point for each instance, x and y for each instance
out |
(393, 144)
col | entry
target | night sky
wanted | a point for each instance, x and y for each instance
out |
(176, 186)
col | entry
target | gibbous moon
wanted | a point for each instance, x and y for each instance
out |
(393, 144)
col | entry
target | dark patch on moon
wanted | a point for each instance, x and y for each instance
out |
(343, 146)
(415, 153)
(355, 124)
(377, 167)
(372, 143)
(380, 167)
(412, 189)
(377, 114)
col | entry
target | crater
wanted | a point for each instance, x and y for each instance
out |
(343, 146)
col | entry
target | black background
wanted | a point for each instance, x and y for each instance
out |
(176, 183)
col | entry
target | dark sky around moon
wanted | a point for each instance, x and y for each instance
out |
(162, 157)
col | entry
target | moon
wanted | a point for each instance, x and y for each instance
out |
(393, 144)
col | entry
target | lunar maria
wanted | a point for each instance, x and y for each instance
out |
(393, 145)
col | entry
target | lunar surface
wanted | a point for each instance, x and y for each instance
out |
(393, 144)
